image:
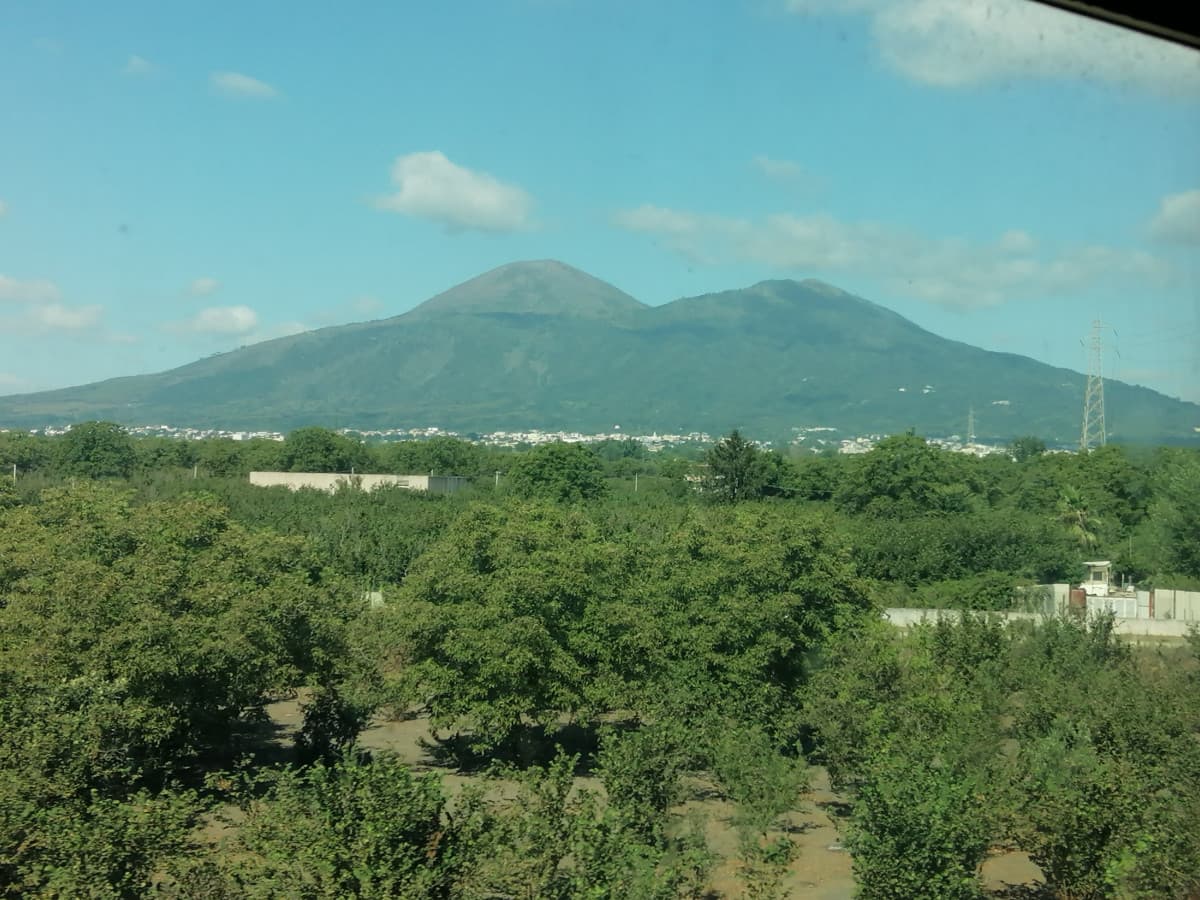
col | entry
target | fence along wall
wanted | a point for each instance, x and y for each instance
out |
(1182, 606)
(1161, 603)
(330, 481)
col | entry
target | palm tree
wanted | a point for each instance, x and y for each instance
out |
(1074, 513)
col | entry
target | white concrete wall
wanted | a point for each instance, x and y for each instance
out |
(1062, 596)
(1129, 627)
(906, 617)
(1121, 607)
(329, 481)
(1181, 606)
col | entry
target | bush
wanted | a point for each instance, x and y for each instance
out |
(641, 773)
(919, 830)
(353, 828)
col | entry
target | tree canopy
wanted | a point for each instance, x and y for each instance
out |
(559, 471)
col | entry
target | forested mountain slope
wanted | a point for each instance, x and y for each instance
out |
(543, 345)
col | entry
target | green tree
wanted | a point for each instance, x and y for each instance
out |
(1027, 447)
(567, 473)
(1177, 511)
(96, 450)
(90, 846)
(28, 452)
(442, 455)
(157, 453)
(920, 829)
(765, 783)
(351, 828)
(316, 449)
(500, 623)
(641, 771)
(737, 469)
(222, 457)
(904, 476)
(739, 599)
(1075, 512)
(160, 623)
(559, 843)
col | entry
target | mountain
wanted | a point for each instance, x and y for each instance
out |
(545, 287)
(543, 345)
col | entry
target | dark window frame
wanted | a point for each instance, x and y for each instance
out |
(1170, 21)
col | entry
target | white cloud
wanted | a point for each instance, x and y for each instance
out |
(366, 305)
(10, 380)
(701, 237)
(1178, 218)
(57, 317)
(778, 169)
(33, 291)
(1016, 241)
(429, 186)
(40, 307)
(949, 272)
(953, 43)
(202, 287)
(283, 329)
(137, 65)
(223, 320)
(235, 84)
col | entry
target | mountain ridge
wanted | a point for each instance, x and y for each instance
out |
(540, 344)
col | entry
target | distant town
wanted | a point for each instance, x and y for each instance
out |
(816, 438)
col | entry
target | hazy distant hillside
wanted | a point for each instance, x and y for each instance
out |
(540, 344)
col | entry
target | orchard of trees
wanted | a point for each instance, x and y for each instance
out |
(595, 667)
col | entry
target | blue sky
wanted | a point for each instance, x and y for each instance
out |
(180, 179)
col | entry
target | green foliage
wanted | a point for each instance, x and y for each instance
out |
(1027, 447)
(930, 548)
(740, 597)
(331, 726)
(93, 846)
(321, 450)
(96, 450)
(1092, 778)
(904, 476)
(764, 783)
(141, 630)
(163, 622)
(561, 844)
(852, 700)
(641, 772)
(920, 829)
(1103, 779)
(737, 469)
(496, 621)
(1177, 512)
(440, 455)
(28, 452)
(567, 473)
(351, 828)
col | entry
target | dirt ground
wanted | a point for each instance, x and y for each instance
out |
(821, 870)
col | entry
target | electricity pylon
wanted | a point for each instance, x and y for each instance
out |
(1093, 434)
